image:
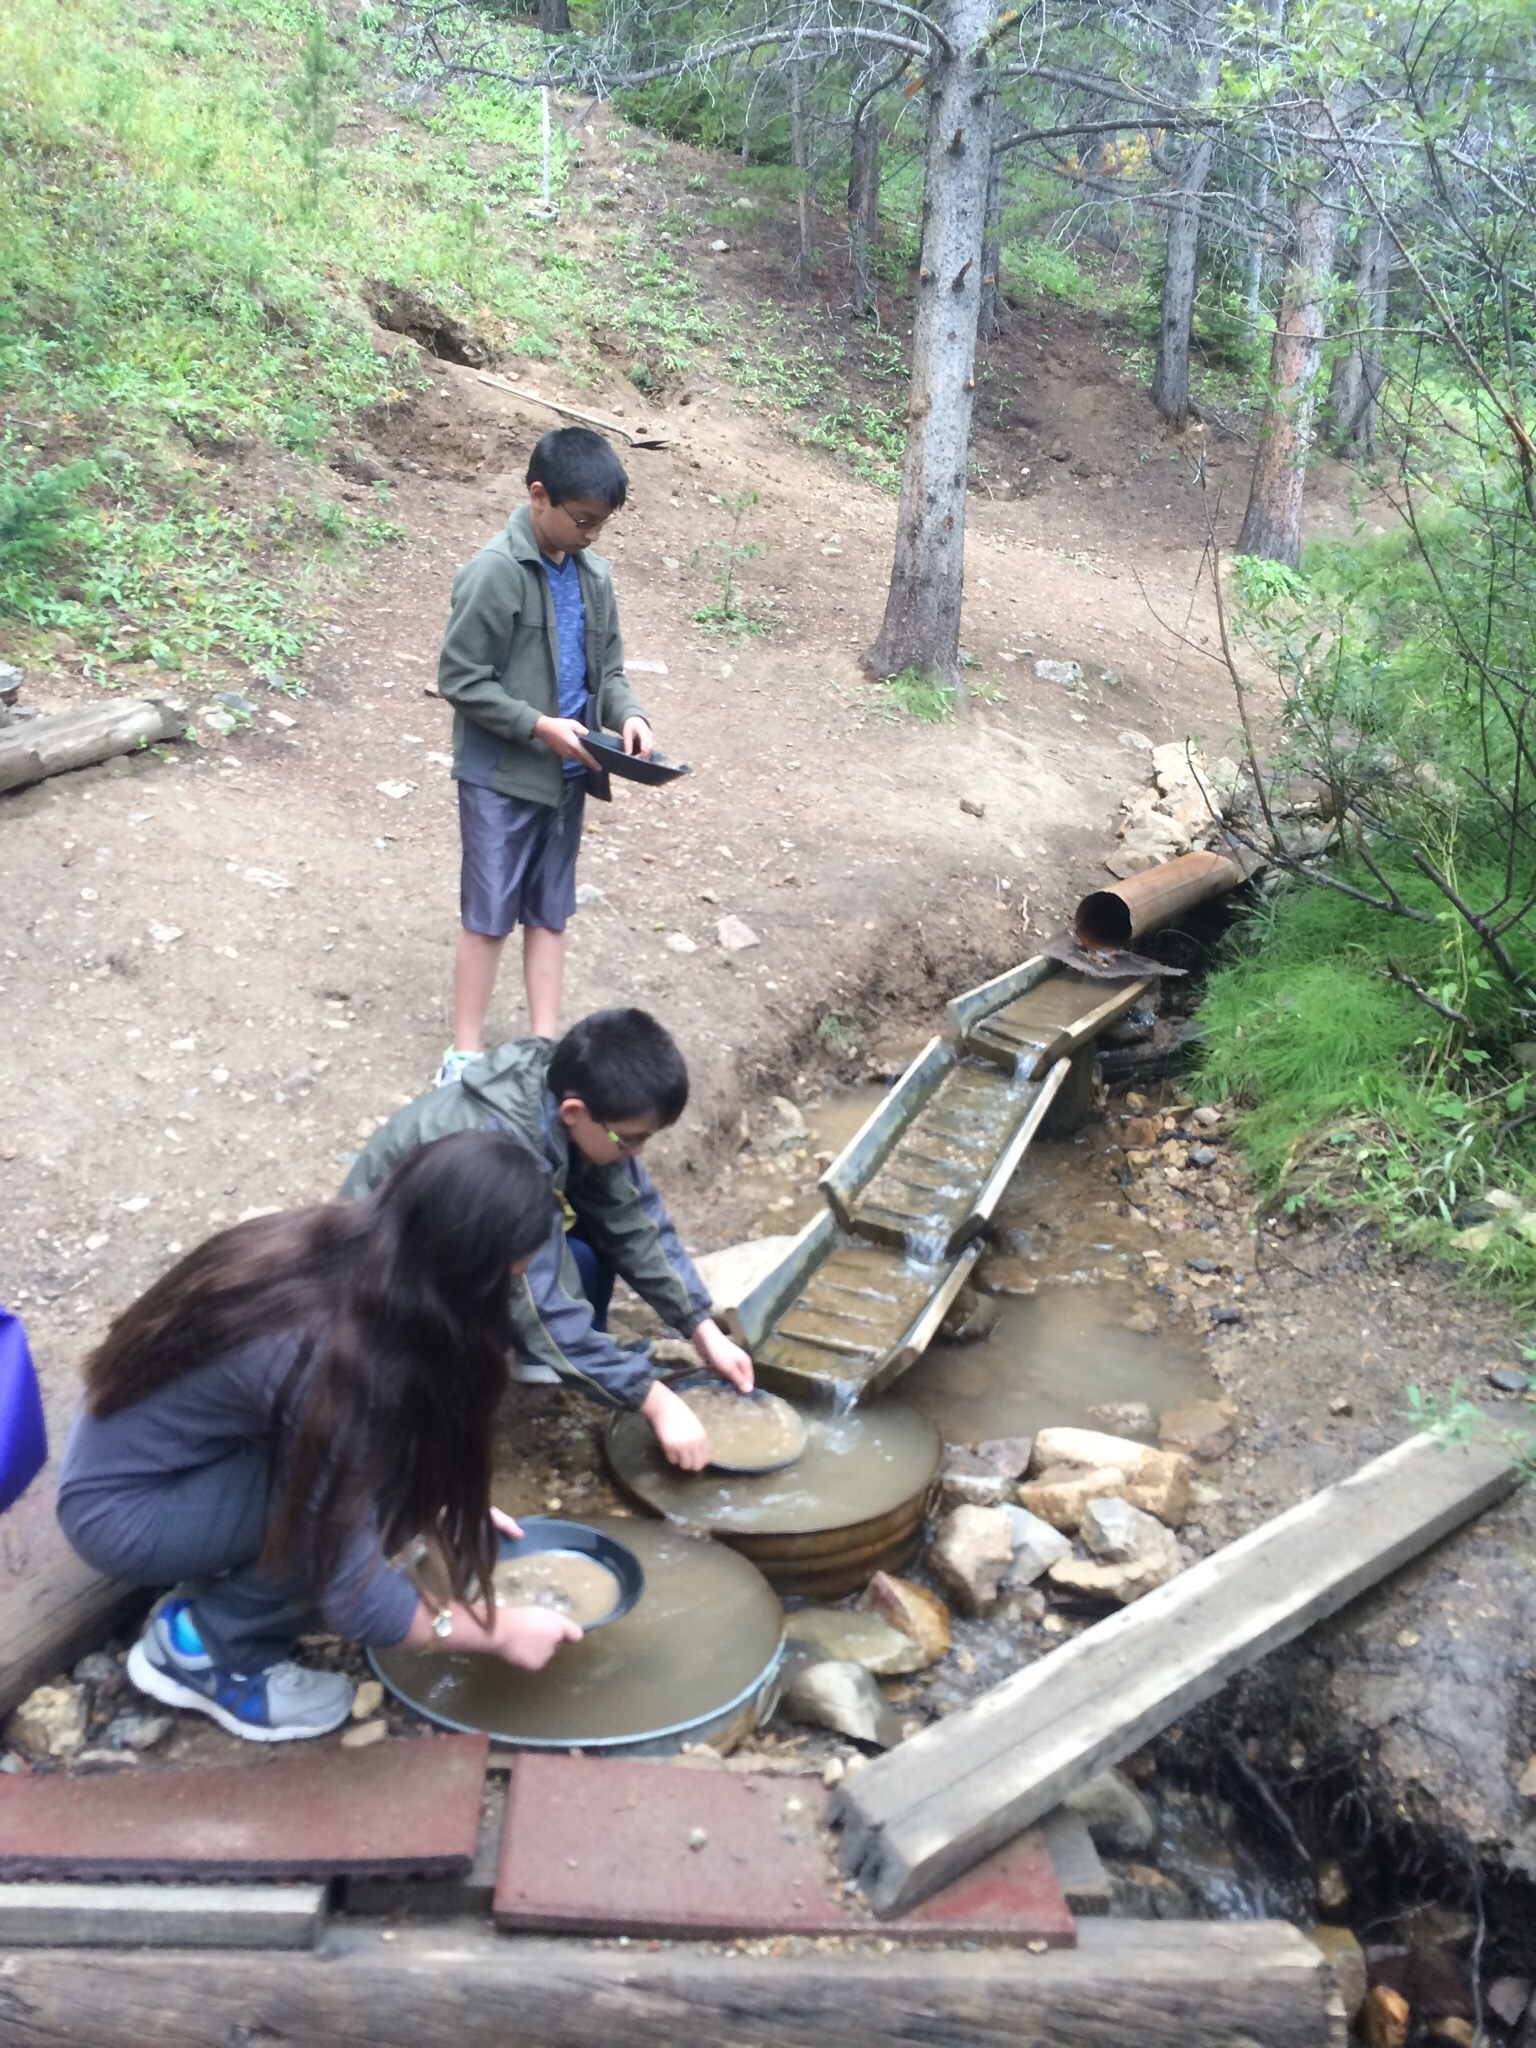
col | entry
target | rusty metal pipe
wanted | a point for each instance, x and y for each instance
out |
(1110, 919)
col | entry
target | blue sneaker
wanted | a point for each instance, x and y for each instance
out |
(284, 1703)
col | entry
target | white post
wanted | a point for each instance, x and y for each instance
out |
(544, 127)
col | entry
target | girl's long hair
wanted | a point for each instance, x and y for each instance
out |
(399, 1305)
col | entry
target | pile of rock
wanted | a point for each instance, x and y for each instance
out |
(90, 1721)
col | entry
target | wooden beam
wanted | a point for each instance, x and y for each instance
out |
(917, 1817)
(1192, 1984)
(52, 1616)
(179, 1916)
(750, 1320)
(76, 739)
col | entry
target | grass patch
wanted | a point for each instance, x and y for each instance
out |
(914, 695)
(191, 204)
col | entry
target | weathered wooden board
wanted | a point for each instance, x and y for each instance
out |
(160, 1916)
(52, 1607)
(915, 1818)
(1196, 1984)
(1050, 1020)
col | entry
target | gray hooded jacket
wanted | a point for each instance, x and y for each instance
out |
(617, 1208)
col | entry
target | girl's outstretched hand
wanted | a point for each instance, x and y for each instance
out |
(529, 1636)
(504, 1524)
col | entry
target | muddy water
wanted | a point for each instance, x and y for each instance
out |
(705, 1631)
(562, 1579)
(853, 1469)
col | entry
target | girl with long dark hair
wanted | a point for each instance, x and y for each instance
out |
(291, 1403)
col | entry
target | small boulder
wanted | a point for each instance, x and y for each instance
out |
(100, 1670)
(1204, 1429)
(1117, 1533)
(137, 1729)
(735, 934)
(1037, 1545)
(921, 1616)
(367, 1700)
(1161, 1484)
(844, 1698)
(1120, 1821)
(970, 1553)
(968, 1480)
(1086, 1450)
(364, 1734)
(1126, 1581)
(1061, 1501)
(1385, 2018)
(1002, 1273)
(1010, 1455)
(971, 1316)
(1346, 1959)
(835, 1634)
(51, 1721)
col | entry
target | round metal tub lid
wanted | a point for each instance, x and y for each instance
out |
(701, 1641)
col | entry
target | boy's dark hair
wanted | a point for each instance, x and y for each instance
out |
(622, 1064)
(575, 462)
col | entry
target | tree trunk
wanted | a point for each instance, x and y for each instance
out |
(863, 201)
(1253, 284)
(1170, 377)
(1272, 523)
(989, 319)
(1357, 374)
(797, 158)
(555, 17)
(921, 629)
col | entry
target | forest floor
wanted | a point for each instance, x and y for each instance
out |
(224, 968)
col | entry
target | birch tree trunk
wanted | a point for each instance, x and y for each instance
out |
(1170, 376)
(1253, 282)
(1272, 522)
(921, 629)
(1357, 374)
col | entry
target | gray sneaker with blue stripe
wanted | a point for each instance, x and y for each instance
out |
(284, 1703)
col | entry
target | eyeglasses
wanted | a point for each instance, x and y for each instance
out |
(585, 522)
(629, 1146)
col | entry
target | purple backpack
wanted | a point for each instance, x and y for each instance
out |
(23, 1439)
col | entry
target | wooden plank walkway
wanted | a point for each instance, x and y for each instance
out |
(915, 1818)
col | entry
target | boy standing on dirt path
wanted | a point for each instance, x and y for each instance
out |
(531, 662)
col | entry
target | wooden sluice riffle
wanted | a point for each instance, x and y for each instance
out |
(861, 1292)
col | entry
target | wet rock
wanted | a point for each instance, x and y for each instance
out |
(1061, 1501)
(970, 1481)
(1143, 1321)
(1124, 1418)
(1142, 1893)
(1384, 2018)
(1346, 1959)
(1117, 1533)
(1120, 1821)
(1205, 1429)
(51, 1721)
(834, 1634)
(1037, 1545)
(1015, 1608)
(97, 1669)
(1508, 1379)
(844, 1698)
(1001, 1274)
(367, 1700)
(918, 1614)
(1332, 1888)
(1460, 2033)
(971, 1316)
(1009, 1454)
(1085, 1449)
(137, 1729)
(1507, 1998)
(970, 1553)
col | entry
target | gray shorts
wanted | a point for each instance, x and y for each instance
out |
(519, 864)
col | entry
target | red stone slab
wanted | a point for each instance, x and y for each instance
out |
(402, 1806)
(595, 1846)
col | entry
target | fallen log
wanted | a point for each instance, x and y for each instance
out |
(916, 1818)
(52, 1606)
(1195, 1984)
(77, 739)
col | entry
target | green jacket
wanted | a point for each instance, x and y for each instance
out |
(500, 666)
(617, 1208)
